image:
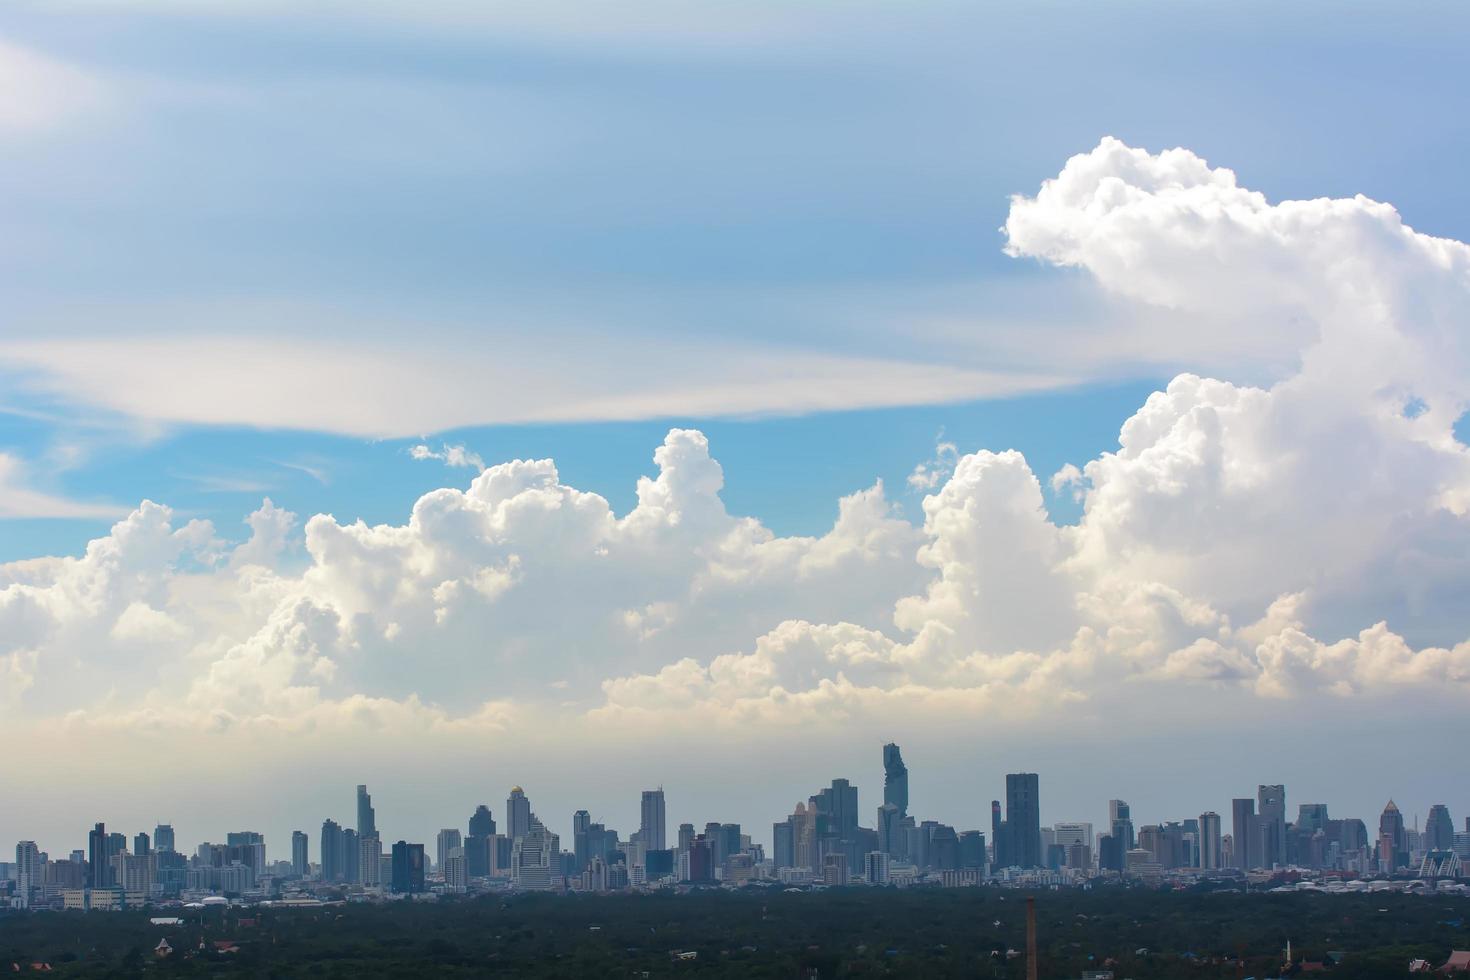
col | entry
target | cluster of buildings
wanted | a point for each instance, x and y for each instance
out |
(821, 843)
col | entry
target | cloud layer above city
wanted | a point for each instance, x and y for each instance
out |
(1301, 543)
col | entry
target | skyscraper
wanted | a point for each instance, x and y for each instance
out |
(1393, 846)
(1023, 818)
(1439, 829)
(998, 837)
(479, 841)
(839, 804)
(1271, 820)
(142, 846)
(99, 868)
(517, 814)
(163, 837)
(1120, 823)
(1209, 840)
(367, 819)
(581, 840)
(1244, 833)
(300, 860)
(448, 840)
(28, 876)
(370, 860)
(895, 780)
(408, 868)
(651, 828)
(333, 851)
(890, 830)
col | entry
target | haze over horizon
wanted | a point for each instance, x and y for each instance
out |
(491, 396)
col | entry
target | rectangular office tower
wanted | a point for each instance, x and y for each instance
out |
(1023, 819)
(651, 827)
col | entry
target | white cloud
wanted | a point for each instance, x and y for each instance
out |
(934, 471)
(17, 499)
(1247, 542)
(455, 456)
(398, 389)
(38, 93)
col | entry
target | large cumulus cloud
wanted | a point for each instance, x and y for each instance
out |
(1304, 538)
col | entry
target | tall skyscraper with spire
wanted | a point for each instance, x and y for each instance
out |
(367, 819)
(895, 780)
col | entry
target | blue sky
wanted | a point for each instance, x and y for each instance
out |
(265, 249)
(811, 177)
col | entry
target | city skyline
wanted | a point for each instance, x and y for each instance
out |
(1012, 831)
(444, 397)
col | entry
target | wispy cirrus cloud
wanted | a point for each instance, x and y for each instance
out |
(19, 499)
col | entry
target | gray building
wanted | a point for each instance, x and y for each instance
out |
(652, 829)
(895, 780)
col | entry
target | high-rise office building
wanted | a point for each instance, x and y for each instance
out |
(1439, 829)
(449, 839)
(1023, 819)
(29, 876)
(701, 860)
(333, 852)
(370, 860)
(1210, 856)
(581, 841)
(1120, 823)
(99, 867)
(479, 842)
(351, 854)
(1068, 833)
(300, 860)
(895, 780)
(838, 803)
(1393, 842)
(517, 814)
(783, 844)
(142, 846)
(163, 838)
(1001, 853)
(1271, 821)
(652, 828)
(248, 848)
(408, 868)
(1244, 833)
(1311, 817)
(367, 817)
(890, 830)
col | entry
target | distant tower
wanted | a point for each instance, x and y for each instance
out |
(895, 780)
(1439, 829)
(1120, 823)
(163, 837)
(98, 866)
(448, 842)
(367, 821)
(1210, 856)
(333, 852)
(517, 814)
(1393, 843)
(1246, 835)
(478, 842)
(1023, 818)
(1271, 819)
(651, 828)
(300, 860)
